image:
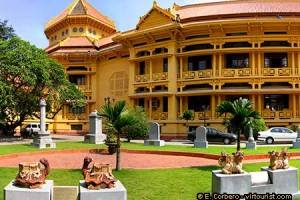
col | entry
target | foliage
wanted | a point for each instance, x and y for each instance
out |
(118, 118)
(293, 127)
(6, 32)
(187, 115)
(141, 128)
(258, 125)
(111, 138)
(242, 115)
(27, 75)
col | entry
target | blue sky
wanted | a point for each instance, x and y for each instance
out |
(29, 17)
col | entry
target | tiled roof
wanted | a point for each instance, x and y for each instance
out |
(238, 8)
(81, 7)
(77, 41)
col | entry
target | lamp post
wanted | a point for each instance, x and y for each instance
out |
(108, 101)
(204, 110)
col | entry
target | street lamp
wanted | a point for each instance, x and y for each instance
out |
(108, 101)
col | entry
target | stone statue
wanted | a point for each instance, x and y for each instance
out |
(99, 176)
(32, 174)
(225, 158)
(232, 164)
(279, 161)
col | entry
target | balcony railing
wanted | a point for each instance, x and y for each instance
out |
(142, 78)
(160, 76)
(276, 71)
(281, 114)
(197, 74)
(83, 87)
(159, 115)
(71, 116)
(236, 72)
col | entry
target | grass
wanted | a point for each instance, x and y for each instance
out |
(21, 148)
(154, 184)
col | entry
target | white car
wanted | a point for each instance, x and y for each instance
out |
(277, 134)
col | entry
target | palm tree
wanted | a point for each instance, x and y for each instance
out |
(118, 117)
(242, 115)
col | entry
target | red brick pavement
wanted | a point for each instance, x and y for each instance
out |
(74, 159)
(128, 160)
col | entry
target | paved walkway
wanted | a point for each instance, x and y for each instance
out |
(74, 160)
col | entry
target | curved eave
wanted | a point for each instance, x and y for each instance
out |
(80, 19)
(248, 16)
(136, 33)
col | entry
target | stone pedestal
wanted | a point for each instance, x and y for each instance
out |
(95, 139)
(95, 135)
(201, 140)
(154, 136)
(281, 181)
(43, 140)
(154, 143)
(12, 192)
(65, 193)
(250, 145)
(230, 183)
(296, 144)
(285, 181)
(117, 193)
(201, 144)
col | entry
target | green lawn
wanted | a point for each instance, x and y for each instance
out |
(154, 184)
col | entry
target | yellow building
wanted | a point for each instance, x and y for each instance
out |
(185, 57)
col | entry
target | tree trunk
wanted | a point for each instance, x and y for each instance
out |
(118, 159)
(238, 142)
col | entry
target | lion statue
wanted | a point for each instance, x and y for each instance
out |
(233, 163)
(279, 160)
(225, 158)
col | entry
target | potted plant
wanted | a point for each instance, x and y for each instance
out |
(111, 142)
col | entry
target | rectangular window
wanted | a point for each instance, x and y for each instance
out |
(237, 61)
(276, 101)
(142, 68)
(77, 79)
(165, 104)
(196, 63)
(77, 127)
(165, 65)
(276, 60)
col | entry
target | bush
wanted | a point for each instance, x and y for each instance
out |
(141, 128)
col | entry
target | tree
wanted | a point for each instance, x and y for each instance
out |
(28, 75)
(187, 115)
(242, 115)
(258, 125)
(6, 32)
(118, 117)
(141, 128)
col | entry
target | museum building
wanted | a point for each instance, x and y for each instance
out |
(189, 57)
